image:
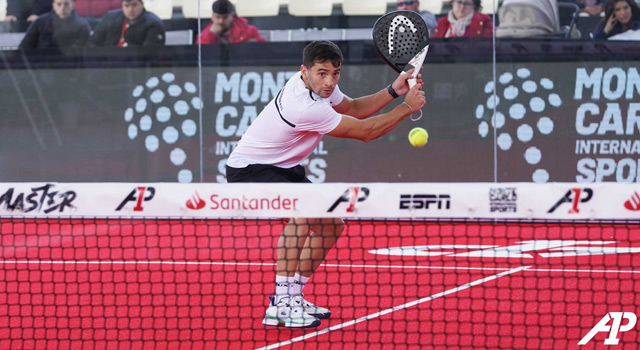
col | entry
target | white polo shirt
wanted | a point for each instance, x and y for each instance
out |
(289, 128)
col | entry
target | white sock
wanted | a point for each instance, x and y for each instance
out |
(283, 287)
(298, 284)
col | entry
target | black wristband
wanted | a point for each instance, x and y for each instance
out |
(392, 92)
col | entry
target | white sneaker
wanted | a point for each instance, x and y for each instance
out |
(313, 310)
(289, 314)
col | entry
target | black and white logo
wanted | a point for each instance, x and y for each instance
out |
(425, 201)
(503, 200)
(351, 196)
(45, 199)
(138, 196)
(575, 196)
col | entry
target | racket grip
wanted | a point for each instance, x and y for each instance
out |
(412, 82)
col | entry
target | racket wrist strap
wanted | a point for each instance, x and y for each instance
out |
(392, 92)
(406, 104)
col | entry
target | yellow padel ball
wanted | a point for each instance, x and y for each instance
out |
(418, 137)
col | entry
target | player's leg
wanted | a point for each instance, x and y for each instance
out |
(286, 306)
(324, 234)
(290, 245)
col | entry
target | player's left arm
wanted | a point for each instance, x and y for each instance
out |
(376, 126)
(366, 106)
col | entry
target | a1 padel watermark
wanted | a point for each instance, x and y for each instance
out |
(611, 323)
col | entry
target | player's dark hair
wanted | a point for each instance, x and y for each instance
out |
(129, 1)
(223, 7)
(321, 51)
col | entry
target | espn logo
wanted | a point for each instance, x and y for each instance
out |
(425, 201)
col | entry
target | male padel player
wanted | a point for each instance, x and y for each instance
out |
(283, 135)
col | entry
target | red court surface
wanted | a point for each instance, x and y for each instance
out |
(187, 284)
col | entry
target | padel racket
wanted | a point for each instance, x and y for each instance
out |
(402, 41)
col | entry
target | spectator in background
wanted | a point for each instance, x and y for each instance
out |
(93, 10)
(464, 20)
(414, 5)
(619, 16)
(59, 29)
(588, 7)
(130, 26)
(226, 27)
(22, 12)
(591, 7)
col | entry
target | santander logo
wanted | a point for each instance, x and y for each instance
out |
(195, 202)
(633, 203)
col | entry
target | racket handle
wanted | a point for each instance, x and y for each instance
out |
(412, 82)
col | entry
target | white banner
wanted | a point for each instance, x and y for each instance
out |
(560, 201)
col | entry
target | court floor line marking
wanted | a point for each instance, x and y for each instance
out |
(395, 308)
(227, 263)
(584, 271)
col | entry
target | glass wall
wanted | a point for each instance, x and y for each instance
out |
(539, 103)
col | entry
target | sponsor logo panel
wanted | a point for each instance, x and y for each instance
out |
(351, 197)
(244, 202)
(575, 196)
(425, 201)
(503, 200)
(138, 196)
(195, 202)
(40, 199)
(633, 203)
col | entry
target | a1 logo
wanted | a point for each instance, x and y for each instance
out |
(613, 329)
(138, 196)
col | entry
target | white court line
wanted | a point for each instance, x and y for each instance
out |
(130, 262)
(352, 266)
(584, 271)
(395, 308)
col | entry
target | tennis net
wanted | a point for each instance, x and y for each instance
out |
(487, 266)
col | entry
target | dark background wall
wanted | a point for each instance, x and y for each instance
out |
(565, 112)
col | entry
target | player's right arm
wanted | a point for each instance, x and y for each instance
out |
(366, 106)
(376, 126)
